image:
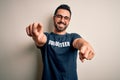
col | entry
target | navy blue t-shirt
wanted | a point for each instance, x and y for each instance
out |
(59, 57)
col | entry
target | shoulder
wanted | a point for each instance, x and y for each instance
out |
(47, 33)
(75, 35)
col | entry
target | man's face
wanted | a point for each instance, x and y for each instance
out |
(61, 20)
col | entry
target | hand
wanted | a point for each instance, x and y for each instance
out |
(86, 52)
(34, 30)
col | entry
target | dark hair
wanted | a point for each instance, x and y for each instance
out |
(63, 6)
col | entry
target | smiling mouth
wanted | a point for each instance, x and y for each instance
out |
(61, 23)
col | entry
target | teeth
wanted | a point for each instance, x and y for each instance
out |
(61, 24)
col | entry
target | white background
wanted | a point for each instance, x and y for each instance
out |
(98, 21)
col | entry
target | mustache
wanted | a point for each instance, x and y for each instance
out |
(61, 23)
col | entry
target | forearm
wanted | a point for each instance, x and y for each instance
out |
(85, 49)
(78, 43)
(40, 40)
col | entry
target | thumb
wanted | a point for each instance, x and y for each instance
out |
(84, 51)
(39, 27)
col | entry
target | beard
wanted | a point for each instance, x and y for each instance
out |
(60, 26)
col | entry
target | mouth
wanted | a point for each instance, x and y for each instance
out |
(60, 26)
(61, 23)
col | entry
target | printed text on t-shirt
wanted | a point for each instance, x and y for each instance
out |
(59, 44)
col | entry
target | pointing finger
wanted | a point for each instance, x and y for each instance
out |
(81, 57)
(91, 55)
(27, 30)
(82, 50)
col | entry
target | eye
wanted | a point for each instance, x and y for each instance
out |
(66, 18)
(59, 16)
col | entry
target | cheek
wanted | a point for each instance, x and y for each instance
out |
(56, 20)
(67, 23)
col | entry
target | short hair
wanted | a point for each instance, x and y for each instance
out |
(63, 6)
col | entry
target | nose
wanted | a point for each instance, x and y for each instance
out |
(62, 19)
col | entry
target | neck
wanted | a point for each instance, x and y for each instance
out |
(60, 33)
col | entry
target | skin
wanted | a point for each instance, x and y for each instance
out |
(35, 31)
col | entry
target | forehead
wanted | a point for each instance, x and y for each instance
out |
(63, 12)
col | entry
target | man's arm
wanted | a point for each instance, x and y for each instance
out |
(35, 31)
(85, 49)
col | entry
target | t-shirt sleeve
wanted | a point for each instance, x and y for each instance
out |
(75, 36)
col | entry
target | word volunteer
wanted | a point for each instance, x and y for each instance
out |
(59, 44)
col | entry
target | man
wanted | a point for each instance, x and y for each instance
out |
(59, 48)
